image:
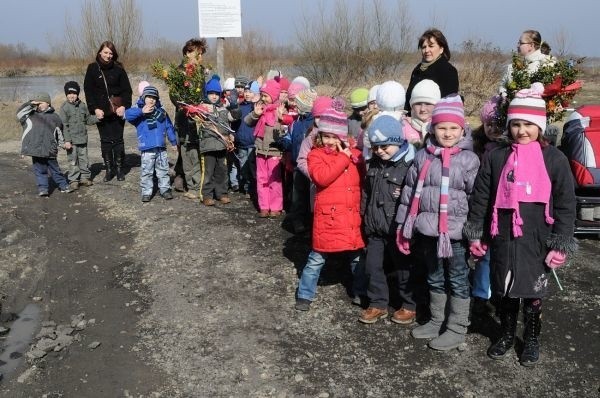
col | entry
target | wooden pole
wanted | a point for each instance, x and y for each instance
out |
(220, 56)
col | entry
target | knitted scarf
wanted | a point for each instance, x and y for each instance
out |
(153, 118)
(444, 244)
(424, 65)
(524, 178)
(420, 126)
(268, 118)
(406, 150)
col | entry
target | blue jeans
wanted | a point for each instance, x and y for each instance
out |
(450, 272)
(307, 287)
(41, 166)
(155, 160)
(481, 278)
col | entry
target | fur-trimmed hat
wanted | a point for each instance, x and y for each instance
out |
(529, 105)
(358, 97)
(449, 109)
(391, 96)
(426, 91)
(272, 89)
(72, 87)
(385, 130)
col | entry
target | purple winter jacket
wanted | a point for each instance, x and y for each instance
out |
(463, 170)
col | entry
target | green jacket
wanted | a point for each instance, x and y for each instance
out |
(75, 117)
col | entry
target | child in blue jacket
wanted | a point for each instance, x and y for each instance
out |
(152, 124)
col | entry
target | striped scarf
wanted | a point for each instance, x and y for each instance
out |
(159, 115)
(444, 244)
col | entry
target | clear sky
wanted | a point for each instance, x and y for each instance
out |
(37, 23)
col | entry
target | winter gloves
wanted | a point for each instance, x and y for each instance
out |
(402, 243)
(555, 259)
(478, 249)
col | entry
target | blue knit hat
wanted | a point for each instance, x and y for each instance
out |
(150, 91)
(213, 85)
(385, 130)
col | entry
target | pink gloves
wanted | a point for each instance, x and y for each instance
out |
(478, 249)
(555, 259)
(402, 243)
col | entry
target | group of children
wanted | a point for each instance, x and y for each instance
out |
(423, 201)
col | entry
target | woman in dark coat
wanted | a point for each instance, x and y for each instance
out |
(434, 66)
(106, 81)
(523, 205)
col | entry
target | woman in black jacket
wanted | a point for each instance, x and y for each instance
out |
(108, 94)
(434, 66)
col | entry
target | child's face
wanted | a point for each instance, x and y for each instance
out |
(491, 130)
(447, 134)
(385, 152)
(283, 96)
(42, 106)
(291, 102)
(371, 105)
(524, 132)
(150, 100)
(248, 95)
(422, 111)
(72, 97)
(266, 98)
(330, 140)
(213, 97)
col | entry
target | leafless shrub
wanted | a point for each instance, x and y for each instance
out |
(119, 21)
(252, 54)
(354, 44)
(562, 42)
(480, 66)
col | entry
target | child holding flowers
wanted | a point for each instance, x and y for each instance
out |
(523, 206)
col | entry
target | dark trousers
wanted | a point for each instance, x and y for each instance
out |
(214, 174)
(300, 207)
(407, 279)
(44, 168)
(111, 140)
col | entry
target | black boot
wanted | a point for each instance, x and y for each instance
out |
(531, 343)
(120, 159)
(509, 310)
(110, 168)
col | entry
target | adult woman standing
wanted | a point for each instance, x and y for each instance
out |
(434, 66)
(108, 94)
(533, 50)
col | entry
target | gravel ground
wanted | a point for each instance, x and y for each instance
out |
(207, 297)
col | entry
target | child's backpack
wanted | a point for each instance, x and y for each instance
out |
(581, 144)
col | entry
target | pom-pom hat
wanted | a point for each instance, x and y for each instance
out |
(213, 85)
(449, 109)
(528, 105)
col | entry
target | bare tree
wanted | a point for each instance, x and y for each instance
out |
(119, 21)
(562, 42)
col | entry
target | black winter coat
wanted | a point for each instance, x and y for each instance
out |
(523, 257)
(381, 195)
(441, 71)
(95, 91)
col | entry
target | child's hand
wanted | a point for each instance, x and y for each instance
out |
(402, 243)
(477, 249)
(281, 110)
(99, 113)
(148, 108)
(343, 150)
(68, 145)
(259, 108)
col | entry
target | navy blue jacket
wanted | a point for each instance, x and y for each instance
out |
(244, 134)
(292, 141)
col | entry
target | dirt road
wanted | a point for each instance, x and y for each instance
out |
(190, 301)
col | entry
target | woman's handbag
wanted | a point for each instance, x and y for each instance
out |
(113, 100)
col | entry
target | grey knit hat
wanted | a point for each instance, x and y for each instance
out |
(41, 97)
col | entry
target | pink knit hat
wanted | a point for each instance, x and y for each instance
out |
(294, 89)
(284, 83)
(141, 86)
(449, 109)
(488, 111)
(529, 105)
(320, 104)
(272, 88)
(334, 122)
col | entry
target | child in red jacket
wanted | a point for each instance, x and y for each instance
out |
(336, 170)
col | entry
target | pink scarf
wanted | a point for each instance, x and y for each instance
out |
(268, 118)
(524, 179)
(444, 244)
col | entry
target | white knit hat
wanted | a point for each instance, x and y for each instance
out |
(301, 80)
(373, 93)
(391, 96)
(426, 91)
(229, 83)
(529, 105)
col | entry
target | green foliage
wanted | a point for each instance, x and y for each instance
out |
(185, 83)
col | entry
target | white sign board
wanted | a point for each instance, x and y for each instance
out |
(220, 18)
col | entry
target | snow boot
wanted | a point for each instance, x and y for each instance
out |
(531, 333)
(509, 310)
(110, 167)
(437, 306)
(120, 159)
(456, 328)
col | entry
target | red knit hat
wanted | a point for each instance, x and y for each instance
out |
(284, 83)
(271, 88)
